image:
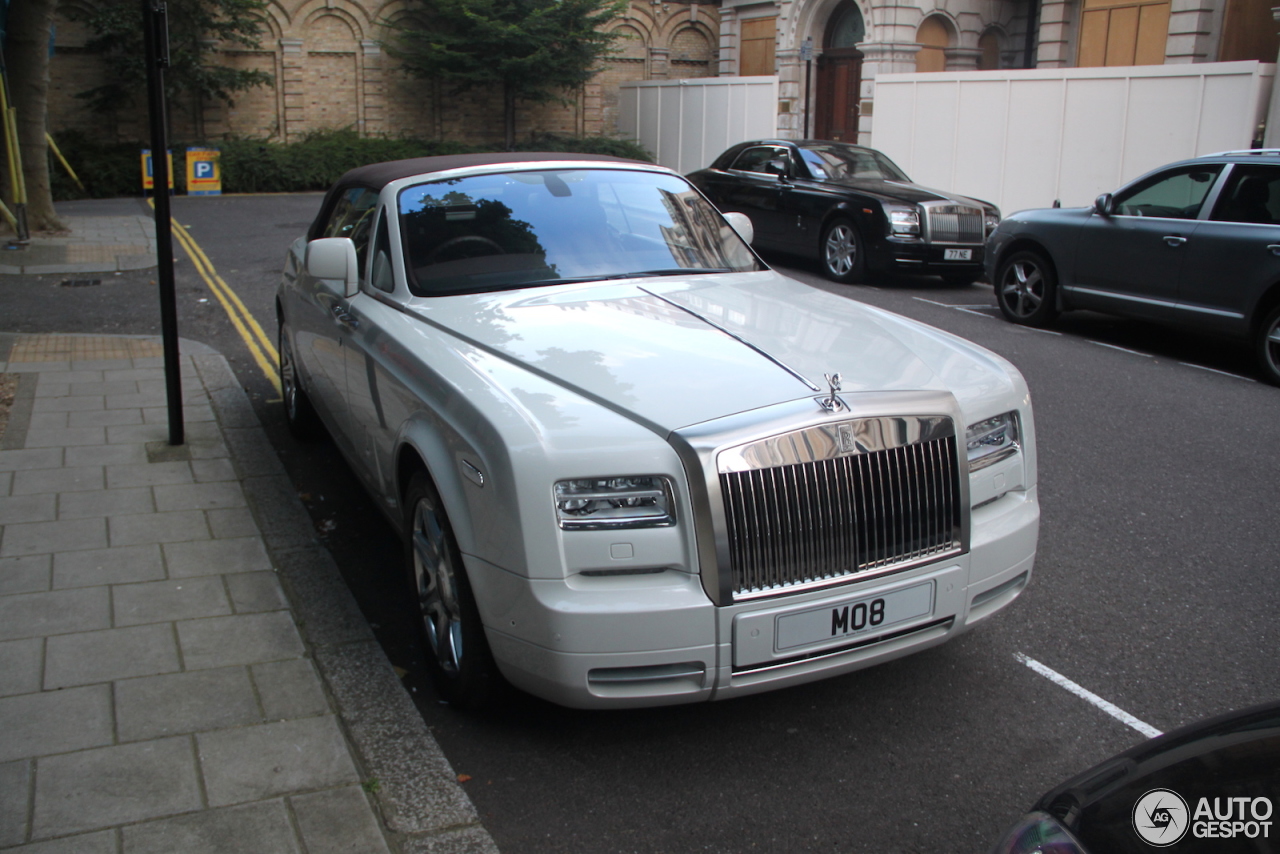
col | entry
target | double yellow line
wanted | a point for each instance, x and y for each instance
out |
(259, 343)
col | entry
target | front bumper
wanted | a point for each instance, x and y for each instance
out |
(631, 641)
(906, 256)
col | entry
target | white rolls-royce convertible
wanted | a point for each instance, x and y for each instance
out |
(631, 464)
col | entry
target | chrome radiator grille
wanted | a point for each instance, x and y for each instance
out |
(955, 224)
(826, 519)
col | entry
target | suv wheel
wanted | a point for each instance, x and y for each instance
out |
(1268, 345)
(1026, 288)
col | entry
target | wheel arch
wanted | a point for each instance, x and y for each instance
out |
(421, 449)
(1262, 308)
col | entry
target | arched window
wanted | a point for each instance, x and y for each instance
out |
(846, 28)
(934, 36)
(989, 44)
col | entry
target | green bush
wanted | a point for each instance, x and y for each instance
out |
(258, 166)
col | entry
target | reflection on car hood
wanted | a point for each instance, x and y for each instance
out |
(900, 190)
(676, 351)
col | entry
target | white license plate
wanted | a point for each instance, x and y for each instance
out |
(957, 254)
(868, 614)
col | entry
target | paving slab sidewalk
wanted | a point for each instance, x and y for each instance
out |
(182, 667)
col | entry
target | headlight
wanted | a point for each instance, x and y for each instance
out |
(615, 502)
(991, 219)
(903, 220)
(992, 440)
(1038, 833)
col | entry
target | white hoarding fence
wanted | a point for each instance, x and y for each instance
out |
(1022, 139)
(685, 124)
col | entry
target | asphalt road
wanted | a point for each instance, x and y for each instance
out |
(1152, 590)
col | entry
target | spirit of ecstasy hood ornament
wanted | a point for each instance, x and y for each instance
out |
(831, 403)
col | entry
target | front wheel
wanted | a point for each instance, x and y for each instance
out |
(841, 251)
(1027, 288)
(458, 657)
(1268, 344)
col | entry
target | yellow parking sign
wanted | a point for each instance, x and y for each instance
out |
(204, 176)
(148, 179)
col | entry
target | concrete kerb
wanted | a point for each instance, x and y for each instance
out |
(421, 801)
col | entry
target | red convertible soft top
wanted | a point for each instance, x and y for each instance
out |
(375, 176)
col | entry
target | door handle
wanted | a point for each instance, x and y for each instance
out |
(1174, 240)
(345, 316)
(1274, 248)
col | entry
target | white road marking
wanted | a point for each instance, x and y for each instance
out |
(1083, 693)
(1123, 349)
(953, 305)
(1216, 371)
(1036, 329)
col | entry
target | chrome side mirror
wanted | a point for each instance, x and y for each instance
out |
(741, 223)
(334, 258)
(1103, 205)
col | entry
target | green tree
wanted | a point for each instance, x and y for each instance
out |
(534, 50)
(27, 78)
(194, 27)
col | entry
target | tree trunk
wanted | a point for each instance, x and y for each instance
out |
(509, 115)
(27, 64)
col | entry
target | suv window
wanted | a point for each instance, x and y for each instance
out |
(754, 159)
(1251, 194)
(1173, 195)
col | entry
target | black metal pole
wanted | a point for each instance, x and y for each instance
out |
(156, 36)
(808, 72)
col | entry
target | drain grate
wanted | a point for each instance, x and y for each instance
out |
(79, 283)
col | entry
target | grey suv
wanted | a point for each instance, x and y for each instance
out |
(1194, 243)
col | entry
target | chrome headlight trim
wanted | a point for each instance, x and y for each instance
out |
(994, 439)
(611, 503)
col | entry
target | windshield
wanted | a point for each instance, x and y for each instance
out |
(837, 162)
(522, 229)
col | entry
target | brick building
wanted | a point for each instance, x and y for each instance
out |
(330, 72)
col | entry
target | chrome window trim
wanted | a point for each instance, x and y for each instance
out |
(699, 446)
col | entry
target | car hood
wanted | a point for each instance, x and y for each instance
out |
(675, 351)
(902, 191)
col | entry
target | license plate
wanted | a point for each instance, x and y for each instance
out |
(851, 617)
(957, 254)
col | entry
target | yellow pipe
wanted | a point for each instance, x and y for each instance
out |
(11, 141)
(17, 153)
(53, 146)
(8, 216)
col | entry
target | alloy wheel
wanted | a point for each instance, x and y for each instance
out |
(435, 579)
(1023, 288)
(841, 250)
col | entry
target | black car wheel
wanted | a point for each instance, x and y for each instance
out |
(1026, 288)
(458, 656)
(841, 249)
(1269, 347)
(300, 416)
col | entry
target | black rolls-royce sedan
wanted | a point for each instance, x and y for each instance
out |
(850, 207)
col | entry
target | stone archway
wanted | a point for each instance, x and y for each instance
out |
(840, 75)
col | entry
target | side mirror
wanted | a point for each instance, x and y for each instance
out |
(777, 166)
(1103, 205)
(741, 223)
(334, 258)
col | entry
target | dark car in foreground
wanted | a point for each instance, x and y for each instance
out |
(1210, 787)
(1195, 244)
(850, 207)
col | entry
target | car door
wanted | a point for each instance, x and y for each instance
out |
(758, 193)
(329, 328)
(371, 437)
(1235, 254)
(1130, 261)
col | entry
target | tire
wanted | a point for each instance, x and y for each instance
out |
(300, 416)
(458, 657)
(841, 252)
(1268, 347)
(1027, 288)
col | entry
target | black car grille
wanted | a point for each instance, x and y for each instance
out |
(826, 520)
(955, 224)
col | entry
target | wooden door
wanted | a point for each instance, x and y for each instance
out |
(836, 101)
